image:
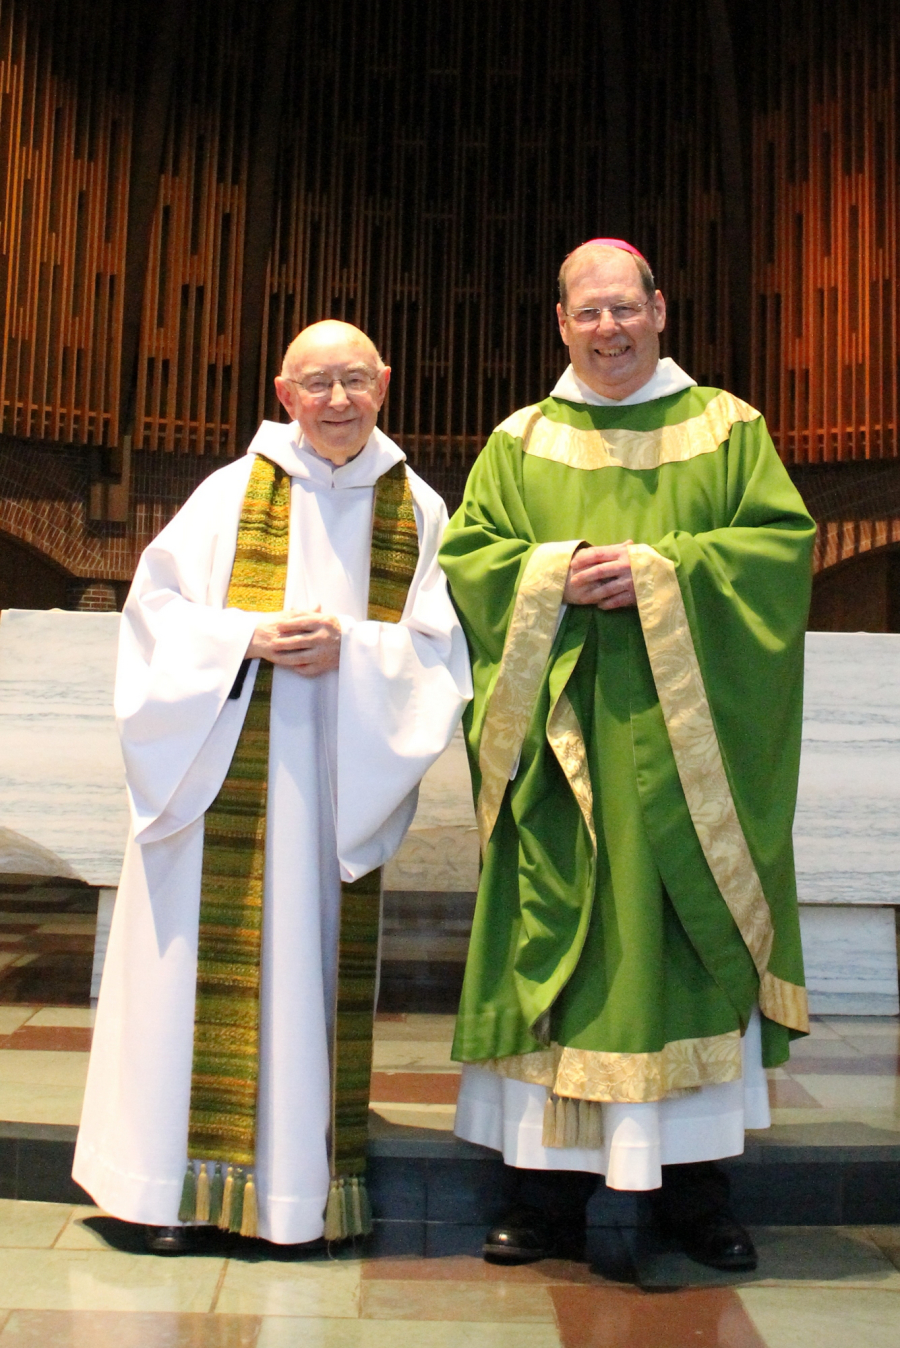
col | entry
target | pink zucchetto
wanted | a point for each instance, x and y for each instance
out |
(615, 243)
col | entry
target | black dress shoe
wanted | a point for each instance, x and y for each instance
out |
(718, 1241)
(168, 1239)
(522, 1236)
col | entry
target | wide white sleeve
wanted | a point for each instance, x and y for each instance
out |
(402, 688)
(180, 651)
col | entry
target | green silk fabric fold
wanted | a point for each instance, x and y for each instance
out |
(222, 1120)
(634, 948)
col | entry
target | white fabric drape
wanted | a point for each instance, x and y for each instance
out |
(346, 753)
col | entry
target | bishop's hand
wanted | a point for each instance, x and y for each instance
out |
(308, 642)
(602, 577)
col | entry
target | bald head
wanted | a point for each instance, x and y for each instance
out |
(330, 334)
(332, 383)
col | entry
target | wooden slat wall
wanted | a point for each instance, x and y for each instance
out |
(187, 363)
(65, 122)
(679, 206)
(826, 143)
(437, 161)
(439, 164)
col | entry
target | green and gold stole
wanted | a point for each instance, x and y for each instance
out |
(219, 1184)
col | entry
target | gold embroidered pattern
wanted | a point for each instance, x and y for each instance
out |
(628, 1078)
(682, 696)
(528, 641)
(786, 1003)
(620, 448)
(567, 742)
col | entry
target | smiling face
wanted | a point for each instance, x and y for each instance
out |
(614, 359)
(336, 424)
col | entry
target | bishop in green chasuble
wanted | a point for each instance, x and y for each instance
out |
(634, 769)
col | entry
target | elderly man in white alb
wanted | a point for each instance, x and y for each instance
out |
(290, 665)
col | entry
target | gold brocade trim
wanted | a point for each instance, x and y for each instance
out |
(567, 742)
(621, 448)
(528, 641)
(682, 696)
(785, 1003)
(627, 1078)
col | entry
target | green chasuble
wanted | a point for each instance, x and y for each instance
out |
(635, 771)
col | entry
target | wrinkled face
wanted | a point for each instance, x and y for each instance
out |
(336, 420)
(613, 357)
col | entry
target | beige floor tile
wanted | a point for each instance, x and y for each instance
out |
(8, 957)
(73, 925)
(419, 1116)
(470, 1301)
(819, 1029)
(128, 1329)
(845, 1256)
(21, 1103)
(326, 1288)
(31, 1226)
(105, 1280)
(78, 1017)
(868, 1092)
(427, 1028)
(37, 1067)
(793, 1317)
(873, 1042)
(422, 1055)
(11, 1017)
(293, 1333)
(887, 1238)
(76, 1236)
(862, 1025)
(822, 1048)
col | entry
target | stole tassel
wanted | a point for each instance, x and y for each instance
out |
(203, 1194)
(188, 1205)
(572, 1123)
(227, 1195)
(216, 1189)
(237, 1200)
(250, 1212)
(348, 1211)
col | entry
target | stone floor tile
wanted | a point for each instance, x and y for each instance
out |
(103, 1280)
(11, 1017)
(412, 1027)
(887, 1238)
(30, 1102)
(869, 1092)
(281, 1332)
(788, 1256)
(418, 1116)
(32, 1226)
(412, 1055)
(615, 1317)
(495, 1302)
(112, 1329)
(794, 1317)
(318, 1287)
(432, 1088)
(71, 1017)
(470, 1269)
(76, 1235)
(43, 1068)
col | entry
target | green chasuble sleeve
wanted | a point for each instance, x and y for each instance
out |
(634, 771)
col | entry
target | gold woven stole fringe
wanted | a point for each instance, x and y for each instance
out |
(219, 1184)
(222, 1122)
(393, 560)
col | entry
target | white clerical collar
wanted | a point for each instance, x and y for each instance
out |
(289, 448)
(666, 378)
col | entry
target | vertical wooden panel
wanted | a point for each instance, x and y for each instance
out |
(826, 255)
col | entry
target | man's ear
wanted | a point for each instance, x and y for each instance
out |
(285, 395)
(561, 319)
(384, 378)
(659, 306)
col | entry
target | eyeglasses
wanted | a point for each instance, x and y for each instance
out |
(320, 385)
(619, 313)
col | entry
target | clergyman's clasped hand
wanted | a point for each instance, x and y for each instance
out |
(602, 577)
(307, 642)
